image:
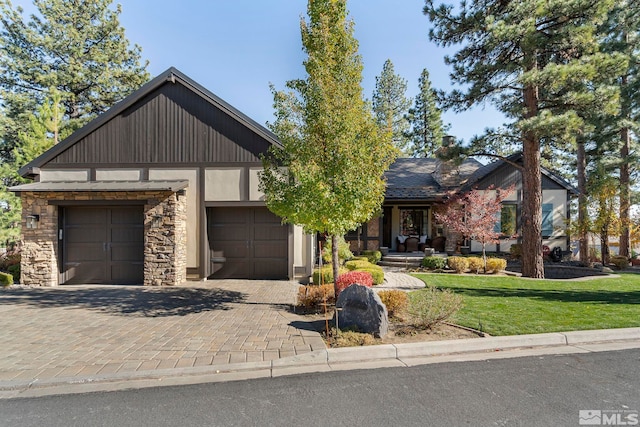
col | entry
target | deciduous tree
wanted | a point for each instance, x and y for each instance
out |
(328, 174)
(474, 215)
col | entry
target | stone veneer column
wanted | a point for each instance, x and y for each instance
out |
(165, 253)
(39, 265)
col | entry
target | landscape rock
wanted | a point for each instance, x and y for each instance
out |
(360, 307)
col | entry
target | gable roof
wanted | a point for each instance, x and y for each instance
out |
(492, 167)
(424, 178)
(428, 179)
(172, 75)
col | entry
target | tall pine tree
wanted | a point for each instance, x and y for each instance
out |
(75, 46)
(390, 105)
(425, 118)
(621, 36)
(329, 174)
(528, 58)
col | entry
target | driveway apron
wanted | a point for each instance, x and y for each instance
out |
(96, 330)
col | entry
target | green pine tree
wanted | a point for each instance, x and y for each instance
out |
(531, 60)
(328, 176)
(46, 127)
(390, 105)
(425, 118)
(76, 47)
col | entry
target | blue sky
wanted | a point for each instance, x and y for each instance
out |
(235, 48)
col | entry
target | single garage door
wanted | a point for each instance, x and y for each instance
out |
(252, 241)
(103, 245)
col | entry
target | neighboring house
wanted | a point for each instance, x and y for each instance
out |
(164, 187)
(161, 187)
(415, 187)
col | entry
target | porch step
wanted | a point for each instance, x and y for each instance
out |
(405, 260)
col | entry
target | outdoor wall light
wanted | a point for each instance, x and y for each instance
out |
(32, 221)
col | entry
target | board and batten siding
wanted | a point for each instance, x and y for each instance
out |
(170, 125)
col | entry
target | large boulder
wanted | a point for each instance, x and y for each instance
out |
(360, 307)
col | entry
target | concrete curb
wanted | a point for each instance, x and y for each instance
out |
(335, 359)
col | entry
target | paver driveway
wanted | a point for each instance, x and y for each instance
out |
(95, 330)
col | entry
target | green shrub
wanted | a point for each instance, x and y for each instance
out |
(496, 264)
(6, 279)
(396, 302)
(357, 264)
(476, 264)
(621, 262)
(434, 262)
(343, 251)
(313, 296)
(431, 306)
(376, 272)
(14, 270)
(359, 258)
(373, 256)
(516, 250)
(458, 263)
(326, 274)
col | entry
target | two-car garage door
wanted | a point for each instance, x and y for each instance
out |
(103, 245)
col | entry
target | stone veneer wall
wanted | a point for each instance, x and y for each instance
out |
(165, 227)
(165, 230)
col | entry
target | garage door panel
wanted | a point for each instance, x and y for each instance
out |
(127, 235)
(270, 232)
(85, 235)
(264, 216)
(231, 233)
(86, 272)
(121, 273)
(83, 252)
(86, 216)
(252, 240)
(269, 250)
(103, 245)
(127, 216)
(128, 253)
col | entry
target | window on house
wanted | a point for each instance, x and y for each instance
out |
(547, 219)
(506, 221)
(412, 222)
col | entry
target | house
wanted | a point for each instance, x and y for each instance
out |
(161, 187)
(417, 186)
(164, 187)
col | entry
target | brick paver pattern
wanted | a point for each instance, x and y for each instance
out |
(97, 330)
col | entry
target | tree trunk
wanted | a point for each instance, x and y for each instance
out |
(604, 244)
(335, 261)
(532, 263)
(625, 178)
(582, 204)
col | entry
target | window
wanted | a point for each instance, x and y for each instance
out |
(506, 223)
(412, 222)
(547, 219)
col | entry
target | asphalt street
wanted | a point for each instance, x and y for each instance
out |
(548, 390)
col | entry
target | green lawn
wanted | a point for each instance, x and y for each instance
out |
(502, 305)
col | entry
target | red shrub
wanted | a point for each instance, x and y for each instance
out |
(360, 277)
